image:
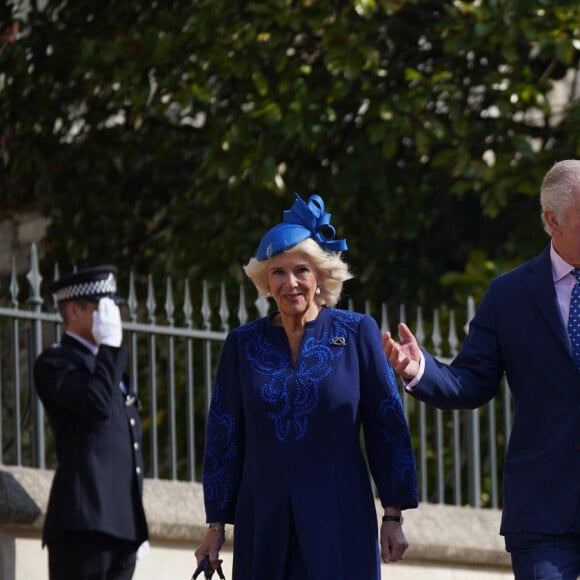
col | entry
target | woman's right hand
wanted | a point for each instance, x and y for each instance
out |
(211, 545)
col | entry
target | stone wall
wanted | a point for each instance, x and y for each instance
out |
(17, 234)
(446, 542)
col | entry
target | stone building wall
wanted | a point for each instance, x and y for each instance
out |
(17, 233)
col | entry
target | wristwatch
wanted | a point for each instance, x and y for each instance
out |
(398, 519)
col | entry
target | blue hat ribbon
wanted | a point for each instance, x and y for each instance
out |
(304, 220)
(312, 216)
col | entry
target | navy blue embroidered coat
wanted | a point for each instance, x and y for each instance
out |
(283, 459)
(98, 481)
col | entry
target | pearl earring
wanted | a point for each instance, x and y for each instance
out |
(318, 289)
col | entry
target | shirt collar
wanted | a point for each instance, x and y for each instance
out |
(92, 347)
(560, 268)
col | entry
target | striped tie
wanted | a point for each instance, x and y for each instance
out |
(574, 318)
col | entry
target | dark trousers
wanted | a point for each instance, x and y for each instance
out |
(82, 555)
(544, 557)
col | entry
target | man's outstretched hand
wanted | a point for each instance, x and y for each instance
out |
(405, 355)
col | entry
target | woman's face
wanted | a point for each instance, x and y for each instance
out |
(292, 280)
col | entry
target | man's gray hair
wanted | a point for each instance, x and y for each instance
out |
(559, 189)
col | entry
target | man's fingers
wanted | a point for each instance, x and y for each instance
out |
(387, 342)
(107, 307)
(405, 333)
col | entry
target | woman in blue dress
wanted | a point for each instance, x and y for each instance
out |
(284, 459)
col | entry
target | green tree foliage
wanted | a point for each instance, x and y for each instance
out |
(168, 136)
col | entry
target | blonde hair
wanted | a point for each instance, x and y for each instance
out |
(332, 272)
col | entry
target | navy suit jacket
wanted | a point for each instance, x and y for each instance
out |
(518, 329)
(98, 480)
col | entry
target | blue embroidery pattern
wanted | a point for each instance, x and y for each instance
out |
(293, 393)
(220, 450)
(395, 431)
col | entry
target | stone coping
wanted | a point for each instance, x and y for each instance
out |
(436, 533)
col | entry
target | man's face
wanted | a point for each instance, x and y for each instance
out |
(80, 318)
(567, 234)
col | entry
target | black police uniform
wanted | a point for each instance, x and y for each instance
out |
(95, 509)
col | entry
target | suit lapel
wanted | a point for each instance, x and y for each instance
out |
(541, 287)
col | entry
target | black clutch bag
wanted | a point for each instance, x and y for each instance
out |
(205, 567)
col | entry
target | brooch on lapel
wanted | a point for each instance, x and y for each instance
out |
(130, 400)
(338, 341)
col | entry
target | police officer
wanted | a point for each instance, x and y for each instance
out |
(95, 520)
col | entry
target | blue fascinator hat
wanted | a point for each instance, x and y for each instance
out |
(302, 221)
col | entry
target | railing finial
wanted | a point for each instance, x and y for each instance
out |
(34, 278)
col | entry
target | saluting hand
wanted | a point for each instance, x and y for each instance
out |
(107, 327)
(404, 356)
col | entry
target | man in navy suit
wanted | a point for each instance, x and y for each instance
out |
(95, 520)
(520, 329)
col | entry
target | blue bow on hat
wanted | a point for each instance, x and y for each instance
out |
(302, 221)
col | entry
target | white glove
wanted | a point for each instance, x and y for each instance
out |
(107, 327)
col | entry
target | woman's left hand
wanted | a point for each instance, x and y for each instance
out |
(210, 547)
(393, 542)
